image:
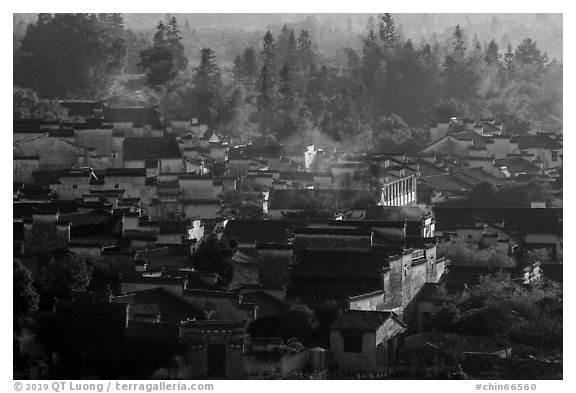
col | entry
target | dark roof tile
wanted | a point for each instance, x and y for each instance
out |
(151, 148)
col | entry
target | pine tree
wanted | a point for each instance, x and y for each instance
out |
(165, 57)
(173, 40)
(491, 55)
(250, 65)
(114, 23)
(528, 54)
(267, 84)
(509, 60)
(455, 72)
(304, 52)
(387, 30)
(458, 47)
(291, 50)
(286, 110)
(281, 46)
(371, 58)
(159, 39)
(208, 86)
(238, 68)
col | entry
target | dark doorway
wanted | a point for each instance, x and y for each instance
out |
(216, 360)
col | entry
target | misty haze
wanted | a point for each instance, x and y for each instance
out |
(288, 196)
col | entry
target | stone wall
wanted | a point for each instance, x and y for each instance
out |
(365, 360)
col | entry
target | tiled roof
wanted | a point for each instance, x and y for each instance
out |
(263, 231)
(158, 331)
(78, 108)
(195, 279)
(525, 220)
(125, 172)
(172, 308)
(298, 176)
(537, 141)
(139, 115)
(151, 147)
(27, 209)
(477, 174)
(340, 264)
(174, 227)
(365, 321)
(268, 306)
(446, 182)
(517, 164)
(154, 280)
(477, 140)
(91, 218)
(293, 149)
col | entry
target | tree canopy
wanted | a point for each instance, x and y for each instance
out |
(165, 57)
(505, 310)
(71, 55)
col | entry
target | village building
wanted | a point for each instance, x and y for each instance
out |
(366, 341)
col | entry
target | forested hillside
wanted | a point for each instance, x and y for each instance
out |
(372, 81)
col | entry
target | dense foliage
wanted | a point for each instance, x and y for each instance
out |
(214, 255)
(298, 321)
(25, 296)
(468, 254)
(67, 274)
(74, 55)
(378, 97)
(504, 310)
(27, 105)
(297, 85)
(511, 194)
(165, 57)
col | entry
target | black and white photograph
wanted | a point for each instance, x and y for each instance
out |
(211, 196)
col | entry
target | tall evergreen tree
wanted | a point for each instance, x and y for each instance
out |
(528, 54)
(250, 65)
(387, 30)
(492, 55)
(304, 53)
(455, 76)
(173, 40)
(267, 84)
(208, 86)
(291, 50)
(371, 59)
(165, 57)
(509, 60)
(281, 46)
(286, 123)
